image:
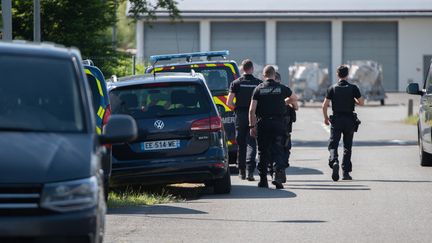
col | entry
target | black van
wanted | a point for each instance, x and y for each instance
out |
(51, 181)
(181, 136)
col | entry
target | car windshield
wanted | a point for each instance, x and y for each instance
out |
(217, 78)
(148, 101)
(39, 94)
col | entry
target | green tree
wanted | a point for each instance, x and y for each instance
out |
(83, 24)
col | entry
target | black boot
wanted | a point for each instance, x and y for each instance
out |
(263, 182)
(335, 174)
(346, 176)
(250, 176)
(242, 174)
(279, 179)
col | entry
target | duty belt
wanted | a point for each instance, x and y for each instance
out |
(343, 113)
(275, 117)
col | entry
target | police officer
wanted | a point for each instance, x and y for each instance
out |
(343, 97)
(289, 119)
(266, 112)
(242, 89)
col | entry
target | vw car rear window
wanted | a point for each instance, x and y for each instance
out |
(39, 94)
(148, 101)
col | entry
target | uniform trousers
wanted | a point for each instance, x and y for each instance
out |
(341, 125)
(247, 150)
(271, 138)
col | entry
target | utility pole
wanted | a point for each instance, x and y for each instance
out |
(114, 27)
(36, 21)
(7, 19)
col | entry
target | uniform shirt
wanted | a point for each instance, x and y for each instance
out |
(342, 96)
(271, 98)
(243, 88)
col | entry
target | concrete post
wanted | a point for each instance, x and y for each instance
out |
(205, 35)
(410, 107)
(336, 47)
(7, 19)
(270, 41)
(140, 40)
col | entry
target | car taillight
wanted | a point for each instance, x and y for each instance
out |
(106, 115)
(211, 124)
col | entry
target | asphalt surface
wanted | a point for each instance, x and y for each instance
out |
(389, 199)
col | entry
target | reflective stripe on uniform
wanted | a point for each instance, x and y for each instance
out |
(98, 130)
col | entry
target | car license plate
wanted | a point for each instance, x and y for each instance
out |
(159, 145)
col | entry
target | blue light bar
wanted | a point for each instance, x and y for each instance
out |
(188, 56)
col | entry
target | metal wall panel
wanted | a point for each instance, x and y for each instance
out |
(302, 42)
(167, 38)
(243, 40)
(377, 41)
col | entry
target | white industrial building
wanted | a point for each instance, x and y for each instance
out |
(395, 33)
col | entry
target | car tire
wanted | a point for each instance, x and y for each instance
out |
(382, 102)
(223, 185)
(425, 157)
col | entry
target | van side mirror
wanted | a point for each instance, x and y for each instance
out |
(120, 129)
(413, 88)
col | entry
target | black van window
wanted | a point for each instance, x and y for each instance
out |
(39, 94)
(147, 101)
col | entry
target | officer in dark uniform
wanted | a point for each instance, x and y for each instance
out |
(289, 119)
(242, 89)
(266, 122)
(343, 97)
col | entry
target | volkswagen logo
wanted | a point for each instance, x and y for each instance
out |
(159, 124)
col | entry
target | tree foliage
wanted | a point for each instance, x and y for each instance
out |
(83, 24)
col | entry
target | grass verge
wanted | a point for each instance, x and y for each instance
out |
(152, 195)
(411, 120)
(133, 197)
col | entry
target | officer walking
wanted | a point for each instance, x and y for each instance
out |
(266, 112)
(289, 118)
(343, 97)
(242, 89)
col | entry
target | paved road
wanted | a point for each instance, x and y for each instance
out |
(389, 199)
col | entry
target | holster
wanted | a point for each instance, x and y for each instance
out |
(357, 122)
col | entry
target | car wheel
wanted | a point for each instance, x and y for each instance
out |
(425, 157)
(382, 102)
(223, 185)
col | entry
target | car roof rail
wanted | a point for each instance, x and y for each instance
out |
(188, 56)
(88, 62)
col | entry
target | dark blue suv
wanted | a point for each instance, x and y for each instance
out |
(180, 132)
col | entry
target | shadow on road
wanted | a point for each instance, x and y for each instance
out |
(374, 143)
(363, 180)
(157, 209)
(295, 221)
(293, 170)
(250, 192)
